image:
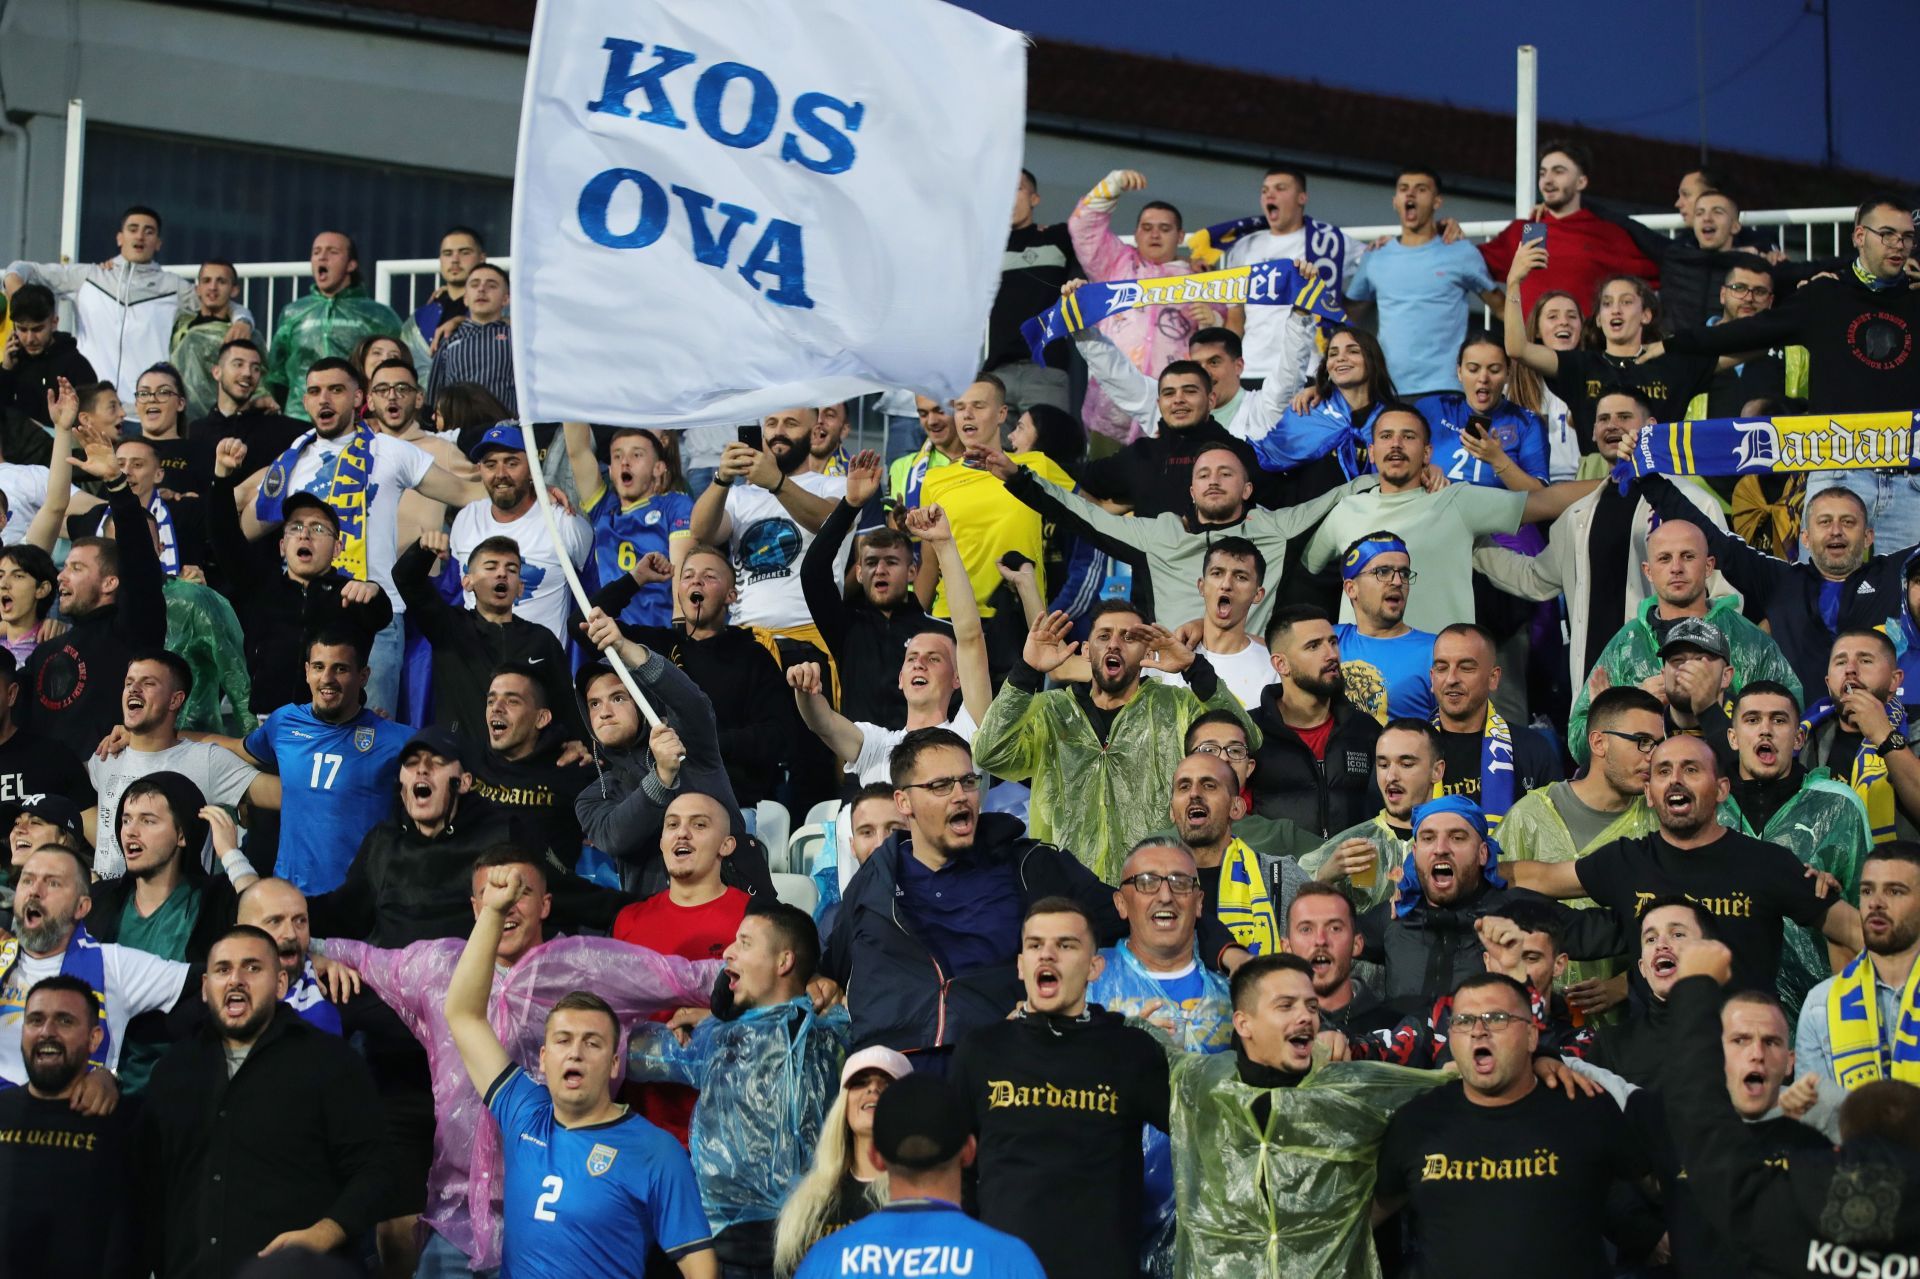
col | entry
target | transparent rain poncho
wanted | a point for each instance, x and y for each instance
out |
(1290, 1198)
(1825, 826)
(766, 1080)
(203, 630)
(1093, 800)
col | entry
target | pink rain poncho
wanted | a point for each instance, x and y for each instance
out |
(463, 1184)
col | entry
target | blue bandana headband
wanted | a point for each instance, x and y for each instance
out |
(1367, 551)
(1459, 806)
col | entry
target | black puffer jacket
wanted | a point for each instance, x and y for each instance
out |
(1322, 796)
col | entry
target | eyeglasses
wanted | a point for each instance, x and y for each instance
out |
(1759, 292)
(1642, 742)
(1891, 238)
(394, 390)
(1234, 751)
(315, 529)
(1148, 882)
(1467, 1023)
(941, 787)
(156, 393)
(1383, 575)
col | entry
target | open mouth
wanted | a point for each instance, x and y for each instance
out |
(1197, 813)
(1393, 455)
(1877, 924)
(1563, 333)
(1442, 875)
(1765, 753)
(1394, 792)
(1165, 918)
(918, 680)
(1321, 960)
(325, 415)
(496, 727)
(237, 1004)
(1223, 609)
(1483, 1060)
(1394, 595)
(961, 823)
(31, 914)
(681, 850)
(1754, 1084)
(1679, 801)
(133, 848)
(1046, 981)
(1300, 1044)
(573, 1078)
(49, 1050)
(1113, 665)
(1482, 396)
(1664, 963)
(421, 791)
(134, 704)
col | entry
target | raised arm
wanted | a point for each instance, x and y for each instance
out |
(443, 485)
(63, 410)
(709, 522)
(929, 524)
(472, 981)
(1754, 574)
(1544, 505)
(818, 584)
(1543, 360)
(1549, 879)
(582, 460)
(808, 510)
(828, 724)
(1292, 368)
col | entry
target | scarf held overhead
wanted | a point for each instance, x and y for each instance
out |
(1774, 446)
(1263, 284)
(1853, 1026)
(346, 493)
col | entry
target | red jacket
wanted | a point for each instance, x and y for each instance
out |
(1582, 250)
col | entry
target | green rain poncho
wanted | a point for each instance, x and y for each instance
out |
(1093, 800)
(203, 631)
(1288, 1199)
(1393, 855)
(1633, 655)
(196, 345)
(317, 326)
(1825, 825)
(1533, 832)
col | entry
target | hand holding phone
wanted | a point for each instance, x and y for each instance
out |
(1534, 233)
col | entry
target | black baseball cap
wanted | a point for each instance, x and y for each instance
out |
(56, 810)
(1695, 632)
(920, 1122)
(301, 501)
(443, 742)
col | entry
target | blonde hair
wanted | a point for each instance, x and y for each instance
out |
(803, 1218)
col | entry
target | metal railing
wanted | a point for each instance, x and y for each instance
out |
(405, 283)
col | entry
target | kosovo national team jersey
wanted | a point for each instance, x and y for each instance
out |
(623, 535)
(1521, 433)
(919, 1237)
(588, 1201)
(337, 782)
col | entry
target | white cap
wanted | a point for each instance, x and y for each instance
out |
(885, 1060)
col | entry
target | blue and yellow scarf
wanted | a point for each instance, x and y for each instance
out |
(83, 959)
(1246, 906)
(1263, 284)
(1496, 766)
(1853, 1027)
(346, 494)
(1868, 775)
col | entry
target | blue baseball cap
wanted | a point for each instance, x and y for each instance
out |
(501, 435)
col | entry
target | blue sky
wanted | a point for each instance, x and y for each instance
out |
(1627, 66)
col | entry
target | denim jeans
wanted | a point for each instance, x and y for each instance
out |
(388, 658)
(1892, 499)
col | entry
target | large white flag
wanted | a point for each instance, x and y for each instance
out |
(726, 207)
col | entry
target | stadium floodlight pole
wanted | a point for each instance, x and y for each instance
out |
(1526, 128)
(573, 581)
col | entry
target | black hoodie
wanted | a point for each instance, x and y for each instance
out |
(1853, 1212)
(1155, 472)
(24, 387)
(537, 791)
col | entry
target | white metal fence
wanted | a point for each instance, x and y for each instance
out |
(405, 283)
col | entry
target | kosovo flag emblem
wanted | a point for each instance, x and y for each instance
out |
(599, 1159)
(363, 739)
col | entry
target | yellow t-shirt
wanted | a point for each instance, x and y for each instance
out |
(988, 522)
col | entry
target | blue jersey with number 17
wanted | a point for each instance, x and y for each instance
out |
(337, 782)
(591, 1200)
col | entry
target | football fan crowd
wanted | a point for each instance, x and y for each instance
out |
(1234, 792)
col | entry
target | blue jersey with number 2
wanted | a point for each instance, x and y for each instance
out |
(588, 1201)
(337, 782)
